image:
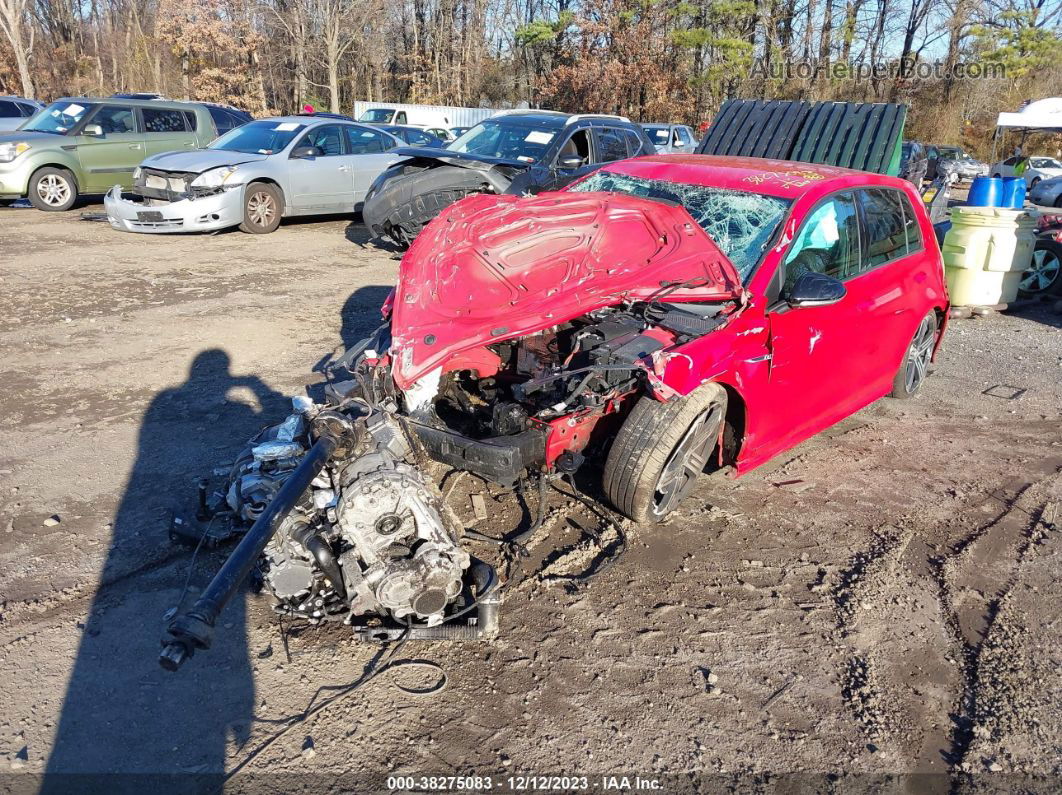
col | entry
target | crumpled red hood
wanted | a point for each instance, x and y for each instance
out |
(491, 268)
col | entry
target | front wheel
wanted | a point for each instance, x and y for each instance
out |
(262, 206)
(52, 189)
(915, 367)
(660, 451)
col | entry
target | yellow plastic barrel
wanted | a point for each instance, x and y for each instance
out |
(985, 252)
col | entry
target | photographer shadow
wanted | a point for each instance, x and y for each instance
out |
(125, 724)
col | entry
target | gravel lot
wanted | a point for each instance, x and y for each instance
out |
(883, 599)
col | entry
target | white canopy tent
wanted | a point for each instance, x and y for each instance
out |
(1043, 115)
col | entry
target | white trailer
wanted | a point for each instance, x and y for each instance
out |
(420, 115)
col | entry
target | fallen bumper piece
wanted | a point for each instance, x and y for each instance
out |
(201, 214)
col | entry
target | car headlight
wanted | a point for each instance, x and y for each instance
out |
(216, 178)
(137, 172)
(10, 151)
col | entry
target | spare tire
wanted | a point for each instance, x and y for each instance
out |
(403, 206)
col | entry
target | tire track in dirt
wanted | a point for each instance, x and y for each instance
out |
(976, 582)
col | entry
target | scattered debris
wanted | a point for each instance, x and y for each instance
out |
(479, 507)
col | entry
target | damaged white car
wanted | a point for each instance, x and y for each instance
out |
(255, 175)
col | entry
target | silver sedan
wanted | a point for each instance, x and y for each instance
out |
(255, 175)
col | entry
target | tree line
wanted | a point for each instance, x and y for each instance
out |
(651, 60)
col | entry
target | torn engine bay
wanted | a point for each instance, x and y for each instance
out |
(339, 521)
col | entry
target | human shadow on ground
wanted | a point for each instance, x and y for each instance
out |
(125, 724)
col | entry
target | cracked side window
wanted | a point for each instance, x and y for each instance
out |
(741, 223)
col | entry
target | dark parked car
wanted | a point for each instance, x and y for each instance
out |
(521, 152)
(914, 162)
(414, 136)
(15, 110)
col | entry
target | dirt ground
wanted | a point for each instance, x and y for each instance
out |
(883, 599)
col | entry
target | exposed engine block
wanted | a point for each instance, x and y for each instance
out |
(370, 537)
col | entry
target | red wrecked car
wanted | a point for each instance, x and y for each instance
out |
(663, 316)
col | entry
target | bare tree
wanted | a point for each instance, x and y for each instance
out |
(13, 21)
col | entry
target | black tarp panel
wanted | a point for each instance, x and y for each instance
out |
(755, 128)
(857, 135)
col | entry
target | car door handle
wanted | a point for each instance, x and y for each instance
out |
(134, 146)
(344, 168)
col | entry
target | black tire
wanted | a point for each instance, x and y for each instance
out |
(53, 190)
(405, 205)
(1044, 277)
(914, 369)
(1058, 201)
(263, 205)
(1034, 183)
(660, 450)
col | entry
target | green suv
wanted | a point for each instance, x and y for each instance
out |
(76, 146)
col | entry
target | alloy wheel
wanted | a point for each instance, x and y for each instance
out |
(261, 209)
(1043, 272)
(919, 354)
(687, 460)
(53, 190)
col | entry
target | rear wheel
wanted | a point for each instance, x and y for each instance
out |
(912, 373)
(262, 206)
(52, 189)
(1044, 276)
(661, 450)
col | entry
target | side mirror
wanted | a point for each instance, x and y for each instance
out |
(570, 161)
(815, 289)
(306, 152)
(94, 130)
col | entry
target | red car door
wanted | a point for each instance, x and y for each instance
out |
(891, 296)
(818, 370)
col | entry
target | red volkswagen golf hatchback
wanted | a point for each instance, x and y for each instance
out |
(666, 314)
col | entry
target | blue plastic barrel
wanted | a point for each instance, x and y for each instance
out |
(1013, 192)
(986, 192)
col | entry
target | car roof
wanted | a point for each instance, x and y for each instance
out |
(787, 179)
(176, 104)
(548, 118)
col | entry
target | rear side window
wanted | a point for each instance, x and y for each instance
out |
(9, 110)
(27, 110)
(400, 117)
(634, 142)
(611, 145)
(884, 219)
(912, 231)
(164, 120)
(364, 142)
(686, 134)
(828, 241)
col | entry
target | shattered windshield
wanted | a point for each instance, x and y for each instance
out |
(59, 117)
(259, 137)
(740, 223)
(498, 138)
